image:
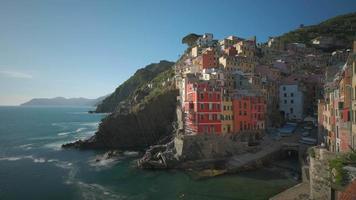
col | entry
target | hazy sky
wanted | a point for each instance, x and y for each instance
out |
(86, 48)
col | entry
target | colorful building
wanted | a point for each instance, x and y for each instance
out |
(202, 107)
(249, 113)
(227, 115)
(291, 98)
(209, 59)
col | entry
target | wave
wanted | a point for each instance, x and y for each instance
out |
(57, 146)
(39, 160)
(78, 113)
(26, 146)
(101, 164)
(79, 130)
(131, 153)
(93, 191)
(64, 133)
(31, 157)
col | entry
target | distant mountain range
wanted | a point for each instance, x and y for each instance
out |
(61, 101)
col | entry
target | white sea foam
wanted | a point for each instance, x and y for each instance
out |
(131, 153)
(55, 145)
(39, 160)
(63, 133)
(10, 158)
(26, 146)
(103, 163)
(93, 191)
(79, 130)
(44, 138)
(31, 157)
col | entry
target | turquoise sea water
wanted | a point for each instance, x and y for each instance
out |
(33, 166)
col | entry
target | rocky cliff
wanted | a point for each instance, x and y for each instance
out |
(126, 89)
(146, 117)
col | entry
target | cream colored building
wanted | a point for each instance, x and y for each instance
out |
(246, 48)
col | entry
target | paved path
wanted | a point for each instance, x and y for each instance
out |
(298, 192)
(268, 147)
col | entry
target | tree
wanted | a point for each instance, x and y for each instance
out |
(190, 39)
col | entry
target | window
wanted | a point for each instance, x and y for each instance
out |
(284, 88)
(202, 106)
(224, 107)
(285, 101)
(215, 117)
(210, 96)
(210, 106)
(291, 110)
(245, 113)
(201, 116)
(285, 94)
(292, 94)
(292, 101)
(201, 96)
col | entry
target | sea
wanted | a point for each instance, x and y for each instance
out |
(33, 165)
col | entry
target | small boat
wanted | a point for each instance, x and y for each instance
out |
(307, 140)
(306, 133)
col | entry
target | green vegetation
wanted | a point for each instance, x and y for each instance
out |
(190, 39)
(159, 85)
(126, 89)
(342, 28)
(311, 152)
(337, 167)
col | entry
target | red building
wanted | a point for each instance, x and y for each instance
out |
(231, 51)
(209, 59)
(202, 107)
(249, 112)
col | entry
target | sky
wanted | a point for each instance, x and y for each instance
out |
(86, 48)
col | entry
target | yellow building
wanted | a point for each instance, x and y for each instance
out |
(233, 63)
(227, 115)
(246, 48)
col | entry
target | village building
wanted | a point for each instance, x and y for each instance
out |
(291, 98)
(202, 106)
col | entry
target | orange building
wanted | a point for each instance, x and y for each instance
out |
(249, 113)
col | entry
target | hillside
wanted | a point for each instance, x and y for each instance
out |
(341, 28)
(61, 101)
(148, 119)
(140, 78)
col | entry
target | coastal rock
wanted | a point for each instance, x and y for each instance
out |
(159, 157)
(137, 130)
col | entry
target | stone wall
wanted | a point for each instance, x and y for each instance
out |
(193, 147)
(320, 187)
